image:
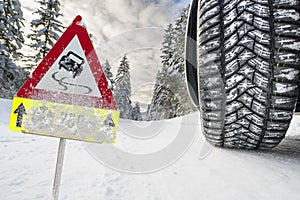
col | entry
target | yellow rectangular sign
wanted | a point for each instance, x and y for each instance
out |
(64, 121)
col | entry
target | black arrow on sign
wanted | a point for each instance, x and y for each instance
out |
(20, 111)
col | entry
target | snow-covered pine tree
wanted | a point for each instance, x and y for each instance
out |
(168, 47)
(170, 97)
(12, 23)
(108, 74)
(185, 105)
(45, 29)
(136, 112)
(179, 41)
(122, 89)
(162, 105)
(146, 115)
(11, 41)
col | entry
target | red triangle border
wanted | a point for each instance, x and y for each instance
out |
(29, 90)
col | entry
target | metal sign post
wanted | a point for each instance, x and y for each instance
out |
(59, 166)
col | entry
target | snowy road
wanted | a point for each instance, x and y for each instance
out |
(27, 165)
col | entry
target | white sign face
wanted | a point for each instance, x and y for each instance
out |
(71, 73)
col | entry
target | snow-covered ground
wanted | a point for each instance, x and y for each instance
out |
(27, 165)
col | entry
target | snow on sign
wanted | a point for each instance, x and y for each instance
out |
(67, 96)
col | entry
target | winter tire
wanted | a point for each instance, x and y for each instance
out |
(242, 69)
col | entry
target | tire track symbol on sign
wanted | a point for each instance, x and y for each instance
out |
(20, 111)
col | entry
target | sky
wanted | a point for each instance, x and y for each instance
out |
(124, 27)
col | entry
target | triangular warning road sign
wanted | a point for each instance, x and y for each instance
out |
(70, 73)
(67, 96)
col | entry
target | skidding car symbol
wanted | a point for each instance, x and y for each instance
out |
(72, 63)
